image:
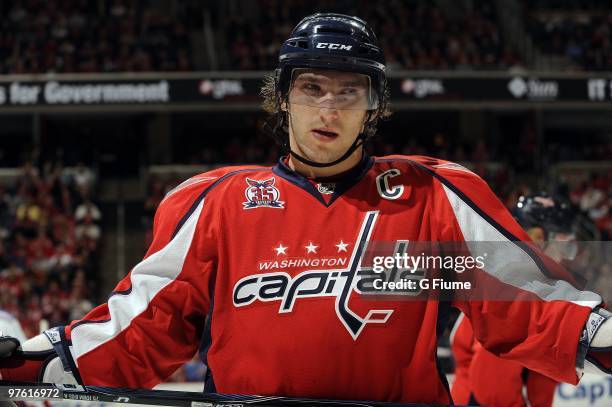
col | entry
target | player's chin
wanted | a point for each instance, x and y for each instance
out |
(325, 156)
(323, 152)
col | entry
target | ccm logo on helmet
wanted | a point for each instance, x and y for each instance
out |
(331, 45)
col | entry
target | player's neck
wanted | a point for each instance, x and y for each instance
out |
(323, 172)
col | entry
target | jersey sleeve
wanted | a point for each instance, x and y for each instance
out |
(532, 311)
(491, 380)
(154, 318)
(463, 348)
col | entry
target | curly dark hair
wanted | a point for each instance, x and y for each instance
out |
(277, 127)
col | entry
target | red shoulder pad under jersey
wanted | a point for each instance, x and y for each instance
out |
(540, 323)
(153, 320)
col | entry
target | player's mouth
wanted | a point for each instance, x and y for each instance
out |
(324, 134)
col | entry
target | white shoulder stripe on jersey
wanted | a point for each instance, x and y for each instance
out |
(186, 183)
(509, 263)
(453, 166)
(148, 278)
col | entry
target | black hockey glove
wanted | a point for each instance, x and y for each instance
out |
(8, 345)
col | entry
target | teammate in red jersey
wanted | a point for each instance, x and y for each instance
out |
(485, 379)
(270, 271)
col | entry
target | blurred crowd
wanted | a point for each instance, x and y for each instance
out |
(581, 31)
(38, 36)
(414, 34)
(49, 242)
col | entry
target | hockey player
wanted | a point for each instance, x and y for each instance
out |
(266, 267)
(482, 378)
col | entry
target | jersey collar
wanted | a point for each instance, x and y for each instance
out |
(343, 183)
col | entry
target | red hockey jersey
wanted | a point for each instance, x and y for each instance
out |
(256, 263)
(491, 381)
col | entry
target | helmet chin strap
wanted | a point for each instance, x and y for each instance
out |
(359, 142)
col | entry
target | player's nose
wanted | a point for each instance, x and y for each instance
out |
(328, 114)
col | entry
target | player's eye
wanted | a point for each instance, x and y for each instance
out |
(311, 89)
(349, 96)
(349, 91)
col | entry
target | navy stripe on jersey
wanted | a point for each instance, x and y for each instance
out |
(205, 343)
(282, 170)
(67, 355)
(353, 323)
(442, 319)
(443, 379)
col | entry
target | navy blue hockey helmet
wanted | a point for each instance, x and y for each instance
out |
(332, 41)
(554, 215)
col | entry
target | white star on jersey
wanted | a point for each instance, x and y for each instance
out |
(280, 249)
(341, 246)
(311, 248)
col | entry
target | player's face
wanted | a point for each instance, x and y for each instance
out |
(566, 245)
(536, 234)
(561, 246)
(327, 111)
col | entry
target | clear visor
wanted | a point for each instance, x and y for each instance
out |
(332, 89)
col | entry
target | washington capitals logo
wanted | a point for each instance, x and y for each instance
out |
(338, 283)
(262, 194)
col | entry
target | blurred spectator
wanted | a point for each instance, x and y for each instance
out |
(87, 209)
(591, 197)
(83, 177)
(87, 229)
(78, 304)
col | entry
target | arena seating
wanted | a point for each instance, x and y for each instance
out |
(49, 239)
